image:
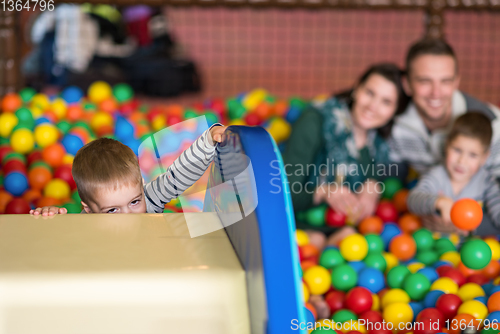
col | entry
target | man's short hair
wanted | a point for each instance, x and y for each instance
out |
(436, 47)
(104, 164)
(472, 124)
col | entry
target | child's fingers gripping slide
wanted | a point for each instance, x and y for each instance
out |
(48, 211)
(216, 132)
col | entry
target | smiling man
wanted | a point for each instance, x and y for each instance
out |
(432, 81)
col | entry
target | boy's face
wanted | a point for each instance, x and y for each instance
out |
(464, 157)
(127, 199)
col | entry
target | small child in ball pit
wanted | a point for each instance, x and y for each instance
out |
(109, 179)
(461, 175)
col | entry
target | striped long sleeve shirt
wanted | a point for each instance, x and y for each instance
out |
(482, 188)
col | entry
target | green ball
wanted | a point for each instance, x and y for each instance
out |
(40, 163)
(190, 113)
(14, 156)
(475, 254)
(331, 258)
(24, 115)
(64, 126)
(376, 261)
(235, 109)
(344, 315)
(375, 243)
(4, 141)
(211, 117)
(392, 186)
(344, 277)
(27, 94)
(123, 92)
(73, 207)
(270, 99)
(417, 286)
(297, 102)
(316, 215)
(1, 178)
(423, 239)
(76, 197)
(82, 124)
(30, 125)
(444, 245)
(427, 257)
(166, 210)
(89, 106)
(396, 276)
(491, 330)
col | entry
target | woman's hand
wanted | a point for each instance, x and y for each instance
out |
(48, 211)
(216, 133)
(368, 199)
(340, 199)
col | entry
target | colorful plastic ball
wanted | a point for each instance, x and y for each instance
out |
(100, 119)
(475, 254)
(301, 237)
(395, 296)
(416, 308)
(391, 186)
(123, 128)
(317, 279)
(493, 317)
(470, 291)
(32, 196)
(5, 198)
(409, 223)
(72, 94)
(494, 302)
(415, 266)
(59, 108)
(386, 211)
(342, 316)
(308, 252)
(72, 143)
(344, 277)
(482, 299)
(400, 199)
(334, 218)
(466, 214)
(389, 232)
(397, 313)
(371, 225)
(354, 247)
(444, 245)
(11, 102)
(372, 279)
(331, 258)
(495, 248)
(64, 173)
(403, 247)
(40, 101)
(445, 284)
(54, 154)
(335, 299)
(448, 304)
(375, 243)
(423, 239)
(430, 273)
(15, 183)
(99, 91)
(74, 113)
(466, 271)
(17, 206)
(41, 120)
(417, 286)
(57, 189)
(305, 291)
(357, 265)
(452, 257)
(430, 313)
(492, 270)
(475, 308)
(376, 261)
(479, 279)
(26, 94)
(359, 300)
(7, 123)
(46, 134)
(427, 257)
(22, 141)
(391, 260)
(48, 201)
(431, 298)
(396, 276)
(279, 129)
(14, 166)
(371, 316)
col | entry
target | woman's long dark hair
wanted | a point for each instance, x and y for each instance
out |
(390, 72)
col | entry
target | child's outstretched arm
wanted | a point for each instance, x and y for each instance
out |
(422, 199)
(48, 211)
(185, 170)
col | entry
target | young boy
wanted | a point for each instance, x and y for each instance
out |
(461, 176)
(109, 180)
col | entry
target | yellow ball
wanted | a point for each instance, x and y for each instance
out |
(391, 260)
(302, 237)
(454, 238)
(68, 159)
(59, 108)
(254, 98)
(496, 281)
(475, 308)
(40, 101)
(237, 122)
(445, 284)
(452, 256)
(353, 326)
(57, 188)
(376, 302)
(354, 247)
(99, 91)
(7, 122)
(46, 134)
(99, 119)
(395, 296)
(158, 123)
(495, 248)
(36, 112)
(397, 313)
(22, 141)
(305, 292)
(470, 291)
(415, 266)
(317, 279)
(279, 129)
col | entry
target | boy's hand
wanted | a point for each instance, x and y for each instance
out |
(48, 211)
(216, 133)
(444, 204)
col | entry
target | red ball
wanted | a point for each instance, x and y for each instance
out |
(428, 326)
(387, 212)
(335, 300)
(359, 300)
(173, 119)
(455, 275)
(448, 304)
(14, 165)
(252, 119)
(64, 173)
(371, 316)
(442, 269)
(17, 206)
(155, 111)
(4, 150)
(34, 156)
(384, 329)
(478, 279)
(334, 218)
(431, 313)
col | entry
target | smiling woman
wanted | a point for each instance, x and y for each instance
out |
(349, 129)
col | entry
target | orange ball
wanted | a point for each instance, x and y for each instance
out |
(309, 252)
(38, 177)
(403, 247)
(54, 154)
(108, 105)
(263, 110)
(494, 302)
(311, 308)
(280, 108)
(467, 271)
(463, 318)
(136, 116)
(32, 195)
(492, 270)
(74, 113)
(399, 200)
(306, 264)
(372, 224)
(175, 110)
(466, 214)
(5, 198)
(81, 133)
(409, 223)
(11, 102)
(48, 201)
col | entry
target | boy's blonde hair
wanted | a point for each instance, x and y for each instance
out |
(103, 164)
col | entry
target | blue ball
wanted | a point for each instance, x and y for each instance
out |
(417, 308)
(389, 232)
(72, 94)
(440, 263)
(432, 297)
(15, 183)
(240, 97)
(357, 265)
(293, 114)
(133, 144)
(496, 288)
(309, 316)
(493, 317)
(72, 143)
(372, 279)
(482, 299)
(123, 129)
(412, 184)
(430, 273)
(41, 120)
(487, 288)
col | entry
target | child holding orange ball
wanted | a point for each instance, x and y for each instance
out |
(462, 175)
